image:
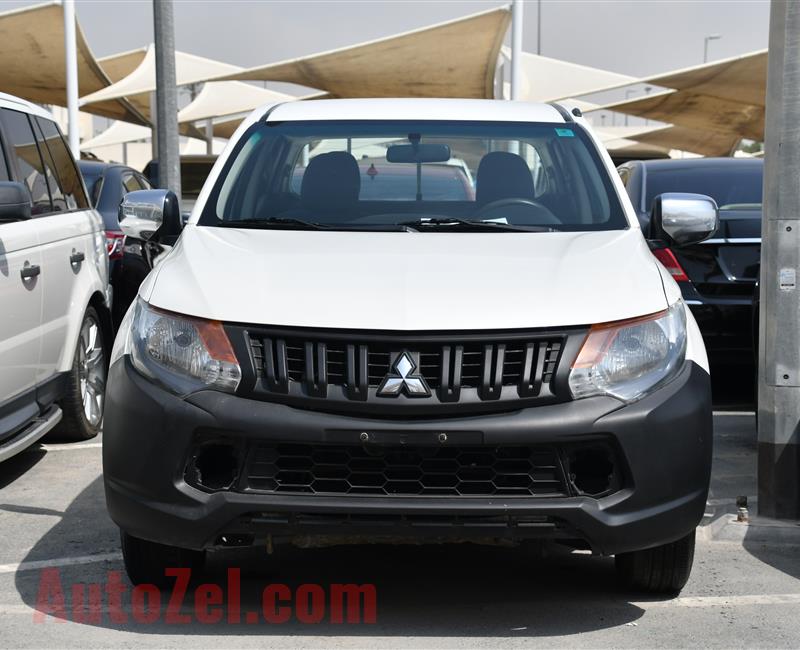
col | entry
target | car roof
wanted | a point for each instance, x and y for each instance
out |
(95, 165)
(701, 163)
(483, 110)
(19, 104)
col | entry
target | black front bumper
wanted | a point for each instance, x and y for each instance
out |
(663, 445)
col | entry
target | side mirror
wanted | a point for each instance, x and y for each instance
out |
(15, 201)
(684, 219)
(151, 215)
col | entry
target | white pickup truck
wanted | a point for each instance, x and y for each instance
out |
(326, 363)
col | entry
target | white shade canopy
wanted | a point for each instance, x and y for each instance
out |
(138, 85)
(32, 63)
(715, 104)
(224, 98)
(451, 59)
(546, 80)
(120, 65)
(118, 133)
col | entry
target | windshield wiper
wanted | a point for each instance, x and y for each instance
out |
(273, 222)
(454, 223)
(290, 223)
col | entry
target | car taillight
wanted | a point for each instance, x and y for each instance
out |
(114, 242)
(670, 262)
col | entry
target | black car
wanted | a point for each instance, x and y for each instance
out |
(107, 183)
(718, 276)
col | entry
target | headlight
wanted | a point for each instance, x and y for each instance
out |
(183, 353)
(628, 359)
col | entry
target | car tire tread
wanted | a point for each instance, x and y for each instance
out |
(664, 569)
(146, 562)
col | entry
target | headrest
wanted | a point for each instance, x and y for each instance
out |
(503, 175)
(331, 181)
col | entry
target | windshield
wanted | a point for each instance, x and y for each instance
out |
(730, 187)
(414, 174)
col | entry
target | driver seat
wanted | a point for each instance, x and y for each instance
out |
(503, 175)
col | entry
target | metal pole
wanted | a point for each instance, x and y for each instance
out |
(779, 329)
(710, 37)
(153, 127)
(516, 49)
(210, 136)
(539, 27)
(71, 58)
(627, 96)
(169, 163)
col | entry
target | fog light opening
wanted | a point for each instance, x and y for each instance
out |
(215, 466)
(591, 471)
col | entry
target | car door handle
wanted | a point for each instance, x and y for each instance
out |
(28, 272)
(76, 258)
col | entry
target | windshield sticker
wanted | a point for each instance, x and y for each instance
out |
(565, 133)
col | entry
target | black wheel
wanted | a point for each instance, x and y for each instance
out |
(661, 570)
(146, 562)
(83, 404)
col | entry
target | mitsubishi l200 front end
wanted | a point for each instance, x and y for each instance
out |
(336, 349)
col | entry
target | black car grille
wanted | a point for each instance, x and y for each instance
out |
(291, 468)
(474, 359)
(320, 369)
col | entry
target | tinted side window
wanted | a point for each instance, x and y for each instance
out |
(144, 182)
(4, 176)
(29, 162)
(65, 166)
(56, 195)
(131, 183)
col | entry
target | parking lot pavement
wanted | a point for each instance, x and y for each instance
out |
(744, 591)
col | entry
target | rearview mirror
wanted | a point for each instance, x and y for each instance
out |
(684, 219)
(151, 215)
(419, 153)
(15, 201)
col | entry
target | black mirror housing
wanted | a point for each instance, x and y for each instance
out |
(15, 201)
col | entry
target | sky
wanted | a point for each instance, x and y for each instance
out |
(635, 37)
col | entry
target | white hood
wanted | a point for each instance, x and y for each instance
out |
(408, 281)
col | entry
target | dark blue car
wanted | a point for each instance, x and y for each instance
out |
(106, 184)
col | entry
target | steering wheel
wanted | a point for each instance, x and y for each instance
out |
(543, 214)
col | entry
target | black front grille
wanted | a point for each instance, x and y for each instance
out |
(291, 468)
(476, 369)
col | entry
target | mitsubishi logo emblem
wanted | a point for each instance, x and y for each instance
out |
(402, 377)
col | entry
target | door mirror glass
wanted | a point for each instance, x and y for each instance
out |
(151, 214)
(684, 219)
(15, 201)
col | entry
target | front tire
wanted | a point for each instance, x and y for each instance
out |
(85, 398)
(661, 570)
(147, 562)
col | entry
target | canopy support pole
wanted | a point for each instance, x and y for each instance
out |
(210, 136)
(516, 49)
(71, 58)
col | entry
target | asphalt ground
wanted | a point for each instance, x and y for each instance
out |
(744, 590)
